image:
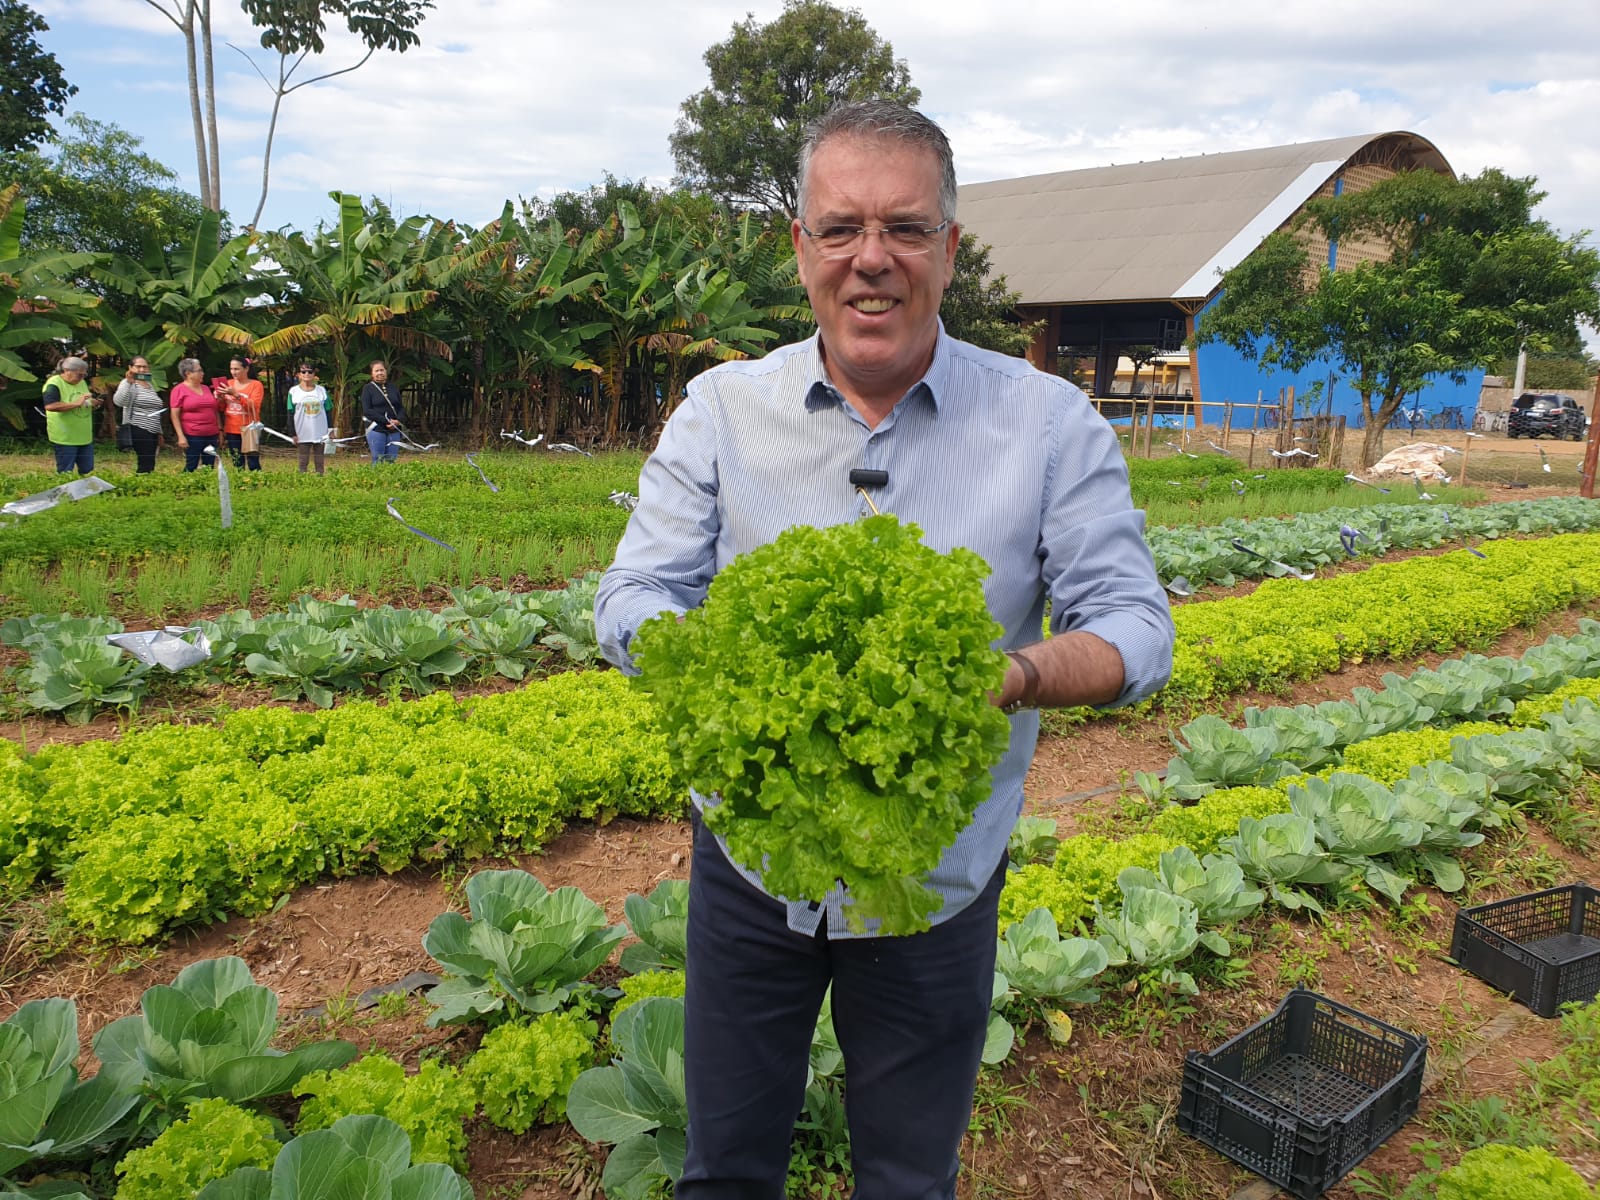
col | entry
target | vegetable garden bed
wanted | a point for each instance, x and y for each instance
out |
(1083, 1108)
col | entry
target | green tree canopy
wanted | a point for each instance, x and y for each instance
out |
(981, 310)
(31, 83)
(93, 190)
(739, 138)
(1469, 275)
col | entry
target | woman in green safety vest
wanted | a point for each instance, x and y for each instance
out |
(69, 416)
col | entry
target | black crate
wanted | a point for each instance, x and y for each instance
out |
(1306, 1094)
(1543, 948)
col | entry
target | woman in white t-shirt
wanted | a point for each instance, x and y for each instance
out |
(308, 401)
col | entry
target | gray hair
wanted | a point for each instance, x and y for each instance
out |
(72, 363)
(887, 120)
(186, 365)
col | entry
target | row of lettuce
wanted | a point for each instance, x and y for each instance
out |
(1286, 630)
(196, 1065)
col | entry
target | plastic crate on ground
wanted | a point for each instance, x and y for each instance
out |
(1306, 1094)
(1543, 948)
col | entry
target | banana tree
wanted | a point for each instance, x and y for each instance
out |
(711, 321)
(635, 291)
(188, 304)
(36, 305)
(505, 297)
(354, 282)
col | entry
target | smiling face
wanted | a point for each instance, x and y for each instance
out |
(877, 312)
(380, 373)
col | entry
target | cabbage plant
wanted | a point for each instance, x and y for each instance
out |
(1359, 821)
(361, 1156)
(72, 675)
(208, 1034)
(524, 944)
(1523, 764)
(306, 660)
(407, 647)
(1041, 966)
(1155, 931)
(1281, 850)
(508, 639)
(1214, 885)
(1033, 840)
(637, 1105)
(45, 1112)
(661, 923)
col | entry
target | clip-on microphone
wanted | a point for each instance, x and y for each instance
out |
(862, 478)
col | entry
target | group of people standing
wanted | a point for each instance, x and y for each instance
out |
(208, 416)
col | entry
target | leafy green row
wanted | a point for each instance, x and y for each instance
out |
(1280, 741)
(161, 514)
(1326, 830)
(1276, 545)
(317, 646)
(177, 825)
(1287, 630)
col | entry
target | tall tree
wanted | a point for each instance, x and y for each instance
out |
(192, 19)
(294, 30)
(739, 138)
(1465, 275)
(31, 83)
(93, 189)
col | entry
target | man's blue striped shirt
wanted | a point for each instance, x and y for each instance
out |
(983, 452)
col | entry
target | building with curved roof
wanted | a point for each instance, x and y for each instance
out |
(1112, 258)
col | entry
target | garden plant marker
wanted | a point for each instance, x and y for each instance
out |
(1364, 483)
(258, 427)
(1179, 586)
(78, 489)
(393, 512)
(165, 647)
(1238, 487)
(224, 491)
(1422, 495)
(1544, 462)
(1285, 567)
(472, 461)
(624, 500)
(568, 448)
(516, 436)
(1214, 446)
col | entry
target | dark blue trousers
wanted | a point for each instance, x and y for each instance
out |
(910, 1014)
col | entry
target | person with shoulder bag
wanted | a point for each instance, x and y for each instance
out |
(241, 399)
(386, 416)
(141, 409)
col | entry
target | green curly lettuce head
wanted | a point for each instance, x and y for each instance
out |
(833, 691)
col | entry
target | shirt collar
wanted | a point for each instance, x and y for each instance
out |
(820, 392)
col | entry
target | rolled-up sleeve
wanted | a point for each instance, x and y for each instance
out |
(667, 555)
(1096, 564)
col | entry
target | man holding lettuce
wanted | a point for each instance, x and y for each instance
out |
(980, 451)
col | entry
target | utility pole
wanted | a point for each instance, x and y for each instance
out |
(1591, 456)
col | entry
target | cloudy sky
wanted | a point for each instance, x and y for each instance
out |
(509, 98)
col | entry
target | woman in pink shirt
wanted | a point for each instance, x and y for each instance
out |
(194, 414)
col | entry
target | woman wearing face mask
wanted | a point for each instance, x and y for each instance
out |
(141, 410)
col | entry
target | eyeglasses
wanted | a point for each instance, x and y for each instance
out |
(901, 238)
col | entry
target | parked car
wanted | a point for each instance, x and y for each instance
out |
(1535, 413)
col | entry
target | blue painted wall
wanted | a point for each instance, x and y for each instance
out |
(1227, 375)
